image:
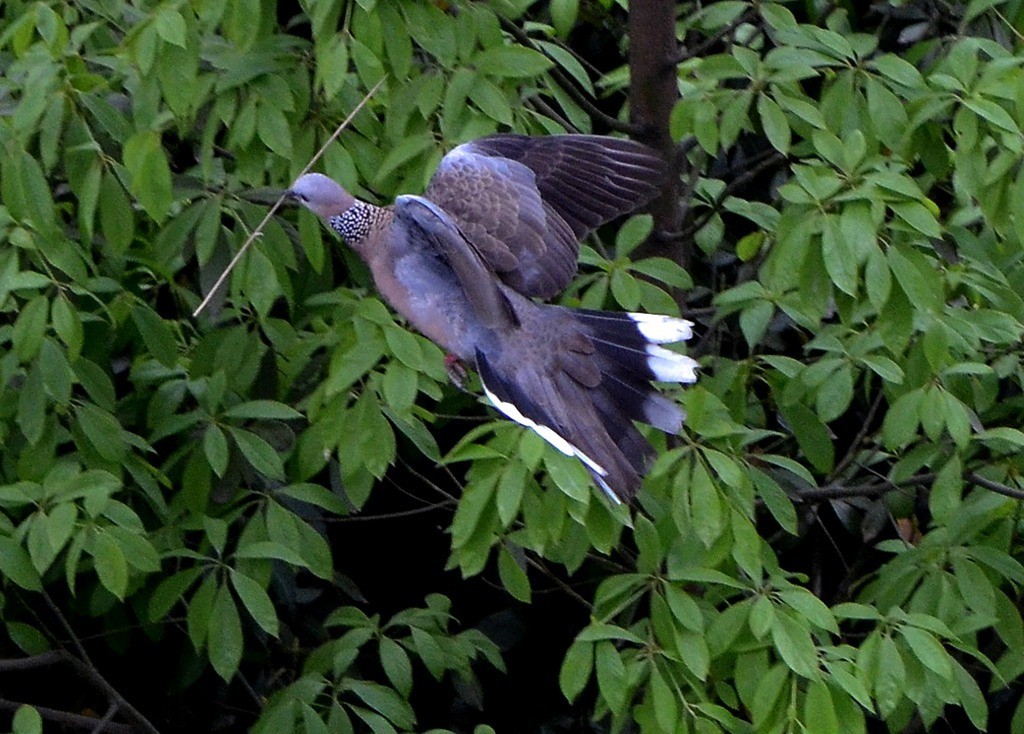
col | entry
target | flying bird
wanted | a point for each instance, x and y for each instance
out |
(496, 232)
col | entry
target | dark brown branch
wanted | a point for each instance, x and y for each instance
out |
(41, 660)
(103, 724)
(393, 515)
(84, 668)
(66, 718)
(569, 86)
(560, 583)
(873, 489)
(653, 92)
(998, 488)
(851, 453)
(685, 54)
(772, 158)
(91, 675)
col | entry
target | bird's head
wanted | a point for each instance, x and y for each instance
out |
(321, 195)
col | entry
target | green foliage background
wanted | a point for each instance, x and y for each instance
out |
(832, 545)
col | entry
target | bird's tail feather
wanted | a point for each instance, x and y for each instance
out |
(584, 401)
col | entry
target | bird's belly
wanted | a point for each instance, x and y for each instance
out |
(428, 294)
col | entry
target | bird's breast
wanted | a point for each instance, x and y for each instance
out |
(423, 288)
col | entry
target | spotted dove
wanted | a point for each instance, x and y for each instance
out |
(499, 226)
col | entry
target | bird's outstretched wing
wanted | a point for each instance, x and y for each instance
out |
(525, 202)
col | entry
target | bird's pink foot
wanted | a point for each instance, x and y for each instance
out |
(456, 371)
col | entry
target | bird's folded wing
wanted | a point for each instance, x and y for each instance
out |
(432, 224)
(525, 202)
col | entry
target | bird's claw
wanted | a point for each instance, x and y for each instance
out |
(457, 372)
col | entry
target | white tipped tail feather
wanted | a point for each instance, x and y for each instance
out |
(660, 329)
(596, 383)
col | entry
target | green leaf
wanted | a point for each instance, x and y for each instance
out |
(27, 721)
(215, 447)
(273, 129)
(156, 334)
(902, 419)
(774, 123)
(266, 409)
(224, 636)
(405, 346)
(68, 325)
(513, 576)
(397, 667)
(811, 434)
(776, 500)
(117, 222)
(430, 652)
(706, 504)
(385, 701)
(111, 565)
(256, 602)
(838, 256)
(30, 328)
(512, 61)
(170, 591)
(611, 676)
(632, 234)
(316, 495)
(270, 549)
(16, 565)
(665, 701)
(819, 709)
(509, 496)
(971, 697)
(944, 498)
(103, 432)
(810, 608)
(563, 15)
(260, 454)
(793, 642)
(769, 691)
(917, 216)
(170, 26)
(890, 676)
(149, 173)
(928, 650)
(754, 321)
(400, 387)
(917, 277)
(576, 669)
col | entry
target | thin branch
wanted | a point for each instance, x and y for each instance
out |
(66, 718)
(393, 515)
(89, 673)
(75, 642)
(873, 489)
(103, 725)
(706, 45)
(560, 583)
(545, 109)
(569, 87)
(41, 660)
(277, 205)
(851, 453)
(997, 487)
(773, 158)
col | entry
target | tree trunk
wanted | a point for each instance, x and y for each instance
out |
(653, 92)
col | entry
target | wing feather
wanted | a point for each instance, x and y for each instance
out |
(525, 202)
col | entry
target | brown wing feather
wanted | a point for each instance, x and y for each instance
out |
(525, 202)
